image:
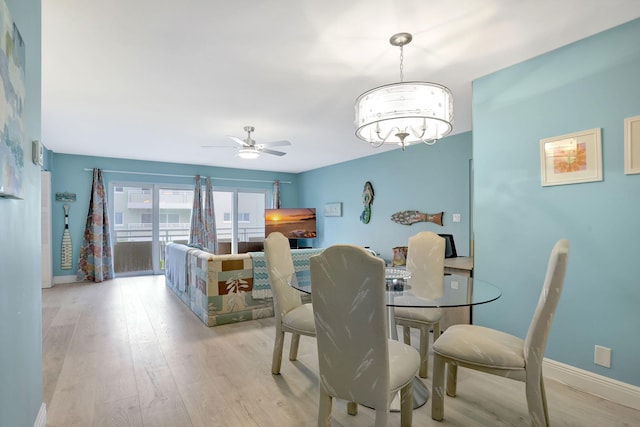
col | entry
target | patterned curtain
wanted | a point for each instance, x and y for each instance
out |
(197, 231)
(275, 203)
(211, 236)
(95, 262)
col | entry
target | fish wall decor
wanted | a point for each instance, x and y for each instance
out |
(411, 217)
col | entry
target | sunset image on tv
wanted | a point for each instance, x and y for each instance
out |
(293, 223)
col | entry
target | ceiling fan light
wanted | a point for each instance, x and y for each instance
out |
(248, 153)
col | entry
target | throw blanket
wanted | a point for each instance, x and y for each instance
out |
(175, 269)
(261, 284)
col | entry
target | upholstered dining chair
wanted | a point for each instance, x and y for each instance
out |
(499, 353)
(425, 262)
(357, 361)
(291, 314)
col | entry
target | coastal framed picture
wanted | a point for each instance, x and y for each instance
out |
(12, 99)
(632, 145)
(571, 158)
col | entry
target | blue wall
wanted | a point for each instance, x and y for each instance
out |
(69, 175)
(429, 179)
(20, 249)
(594, 83)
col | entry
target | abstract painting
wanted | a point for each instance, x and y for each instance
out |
(12, 97)
(572, 158)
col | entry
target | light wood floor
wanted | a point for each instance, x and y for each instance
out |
(128, 352)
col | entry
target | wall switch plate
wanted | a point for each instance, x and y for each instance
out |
(602, 356)
(456, 217)
(333, 209)
(37, 153)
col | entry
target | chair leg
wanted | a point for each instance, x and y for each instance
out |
(437, 392)
(537, 402)
(293, 350)
(406, 334)
(406, 405)
(424, 352)
(277, 353)
(452, 379)
(544, 401)
(436, 331)
(324, 409)
(382, 417)
(352, 408)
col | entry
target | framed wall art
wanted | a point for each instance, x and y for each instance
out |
(632, 145)
(572, 158)
(12, 75)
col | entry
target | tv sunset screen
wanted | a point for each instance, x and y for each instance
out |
(293, 223)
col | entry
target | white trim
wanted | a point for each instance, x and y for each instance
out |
(607, 388)
(41, 419)
(58, 280)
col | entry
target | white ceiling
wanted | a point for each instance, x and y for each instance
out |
(158, 79)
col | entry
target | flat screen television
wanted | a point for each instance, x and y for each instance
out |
(293, 223)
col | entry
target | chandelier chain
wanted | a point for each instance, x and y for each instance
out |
(401, 63)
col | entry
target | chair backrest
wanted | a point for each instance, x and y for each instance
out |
(425, 261)
(277, 255)
(536, 339)
(349, 303)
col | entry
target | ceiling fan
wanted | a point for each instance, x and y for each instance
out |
(250, 150)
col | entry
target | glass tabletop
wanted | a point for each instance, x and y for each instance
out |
(459, 291)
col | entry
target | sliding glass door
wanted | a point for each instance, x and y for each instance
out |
(146, 217)
(240, 219)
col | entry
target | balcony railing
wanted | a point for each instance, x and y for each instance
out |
(133, 246)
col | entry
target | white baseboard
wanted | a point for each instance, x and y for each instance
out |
(588, 382)
(58, 280)
(41, 419)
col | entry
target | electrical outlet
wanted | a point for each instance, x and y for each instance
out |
(454, 284)
(457, 217)
(602, 356)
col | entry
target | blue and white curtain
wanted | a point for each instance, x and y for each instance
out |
(203, 221)
(211, 236)
(95, 262)
(197, 230)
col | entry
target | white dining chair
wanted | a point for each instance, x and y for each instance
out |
(356, 359)
(498, 353)
(425, 263)
(291, 314)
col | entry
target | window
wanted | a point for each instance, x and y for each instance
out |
(118, 218)
(242, 217)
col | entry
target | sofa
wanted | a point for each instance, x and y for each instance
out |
(222, 289)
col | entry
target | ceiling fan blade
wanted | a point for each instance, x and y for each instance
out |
(281, 143)
(274, 152)
(238, 140)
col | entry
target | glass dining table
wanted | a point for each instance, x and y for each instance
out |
(458, 291)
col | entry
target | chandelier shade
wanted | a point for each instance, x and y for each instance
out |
(404, 113)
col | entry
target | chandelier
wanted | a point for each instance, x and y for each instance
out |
(406, 112)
